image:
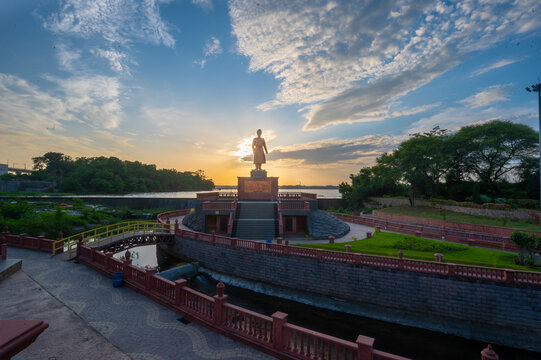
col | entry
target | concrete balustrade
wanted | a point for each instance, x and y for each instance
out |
(272, 334)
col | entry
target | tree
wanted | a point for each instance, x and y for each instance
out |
(423, 161)
(496, 149)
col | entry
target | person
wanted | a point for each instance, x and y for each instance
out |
(258, 145)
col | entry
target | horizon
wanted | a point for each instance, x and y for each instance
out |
(185, 84)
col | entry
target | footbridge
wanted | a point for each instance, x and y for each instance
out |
(117, 237)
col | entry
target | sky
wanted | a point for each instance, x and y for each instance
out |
(185, 84)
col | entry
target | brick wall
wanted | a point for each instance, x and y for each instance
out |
(482, 302)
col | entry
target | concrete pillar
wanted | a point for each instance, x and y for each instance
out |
(364, 347)
(331, 239)
(148, 278)
(176, 225)
(489, 354)
(219, 300)
(438, 257)
(279, 240)
(213, 236)
(4, 251)
(348, 248)
(108, 255)
(180, 284)
(278, 321)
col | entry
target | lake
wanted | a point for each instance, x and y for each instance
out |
(321, 193)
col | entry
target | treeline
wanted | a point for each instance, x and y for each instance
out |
(478, 163)
(110, 175)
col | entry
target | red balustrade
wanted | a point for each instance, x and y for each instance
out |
(199, 304)
(116, 265)
(222, 205)
(248, 323)
(293, 206)
(136, 275)
(163, 287)
(310, 344)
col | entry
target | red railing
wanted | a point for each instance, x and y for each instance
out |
(422, 266)
(293, 205)
(222, 205)
(28, 242)
(493, 241)
(170, 214)
(270, 334)
(216, 195)
(297, 196)
(248, 323)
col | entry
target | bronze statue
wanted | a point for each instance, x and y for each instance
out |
(258, 144)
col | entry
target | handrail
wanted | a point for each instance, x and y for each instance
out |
(423, 266)
(114, 232)
(272, 334)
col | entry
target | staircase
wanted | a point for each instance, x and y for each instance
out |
(256, 220)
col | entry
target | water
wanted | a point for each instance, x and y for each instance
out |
(321, 193)
(397, 339)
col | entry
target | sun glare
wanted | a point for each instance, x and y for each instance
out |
(244, 148)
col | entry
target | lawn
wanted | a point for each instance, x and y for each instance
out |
(388, 244)
(433, 213)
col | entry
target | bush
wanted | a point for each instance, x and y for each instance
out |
(524, 241)
(524, 203)
(414, 243)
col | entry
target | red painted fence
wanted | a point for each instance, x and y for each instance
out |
(273, 335)
(429, 267)
(29, 242)
(486, 229)
(493, 241)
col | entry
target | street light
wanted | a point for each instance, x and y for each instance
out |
(537, 88)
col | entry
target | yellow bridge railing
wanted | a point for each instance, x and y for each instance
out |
(110, 234)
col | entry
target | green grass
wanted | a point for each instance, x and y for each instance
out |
(433, 213)
(389, 244)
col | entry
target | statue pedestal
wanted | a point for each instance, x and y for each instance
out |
(258, 186)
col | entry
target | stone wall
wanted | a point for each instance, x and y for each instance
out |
(494, 306)
(14, 185)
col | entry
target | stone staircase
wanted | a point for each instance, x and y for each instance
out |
(256, 220)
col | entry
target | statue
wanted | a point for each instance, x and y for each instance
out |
(258, 144)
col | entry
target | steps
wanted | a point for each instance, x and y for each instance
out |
(256, 220)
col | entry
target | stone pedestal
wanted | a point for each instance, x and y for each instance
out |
(258, 186)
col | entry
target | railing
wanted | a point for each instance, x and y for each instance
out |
(39, 243)
(270, 334)
(293, 205)
(296, 196)
(248, 323)
(169, 214)
(223, 205)
(432, 231)
(421, 266)
(216, 195)
(109, 234)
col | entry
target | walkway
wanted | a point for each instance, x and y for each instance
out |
(356, 231)
(77, 300)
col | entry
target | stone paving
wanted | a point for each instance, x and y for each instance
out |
(135, 325)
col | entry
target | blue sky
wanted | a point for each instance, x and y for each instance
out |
(185, 84)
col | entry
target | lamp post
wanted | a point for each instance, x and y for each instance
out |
(537, 88)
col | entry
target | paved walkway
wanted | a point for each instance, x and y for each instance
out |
(80, 299)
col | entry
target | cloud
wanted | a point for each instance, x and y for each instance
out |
(496, 65)
(67, 58)
(121, 21)
(415, 110)
(204, 4)
(345, 61)
(332, 152)
(166, 119)
(454, 118)
(212, 47)
(29, 116)
(117, 59)
(493, 94)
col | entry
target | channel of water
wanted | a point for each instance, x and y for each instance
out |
(402, 340)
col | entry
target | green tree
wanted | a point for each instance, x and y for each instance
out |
(495, 150)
